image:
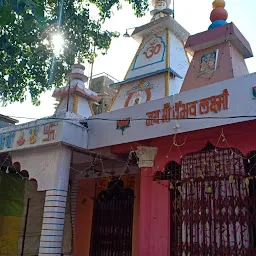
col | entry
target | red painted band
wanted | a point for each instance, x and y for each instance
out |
(54, 218)
(51, 241)
(57, 195)
(55, 206)
(50, 229)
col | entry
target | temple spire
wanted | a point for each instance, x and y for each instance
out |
(160, 64)
(218, 54)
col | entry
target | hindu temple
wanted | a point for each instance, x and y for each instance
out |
(168, 169)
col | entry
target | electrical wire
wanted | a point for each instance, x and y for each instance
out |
(133, 119)
(221, 137)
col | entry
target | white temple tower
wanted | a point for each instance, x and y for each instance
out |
(74, 97)
(160, 64)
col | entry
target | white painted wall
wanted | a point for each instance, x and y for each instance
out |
(178, 62)
(77, 82)
(48, 165)
(83, 108)
(62, 107)
(241, 103)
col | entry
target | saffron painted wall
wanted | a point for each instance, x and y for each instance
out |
(230, 64)
(154, 225)
(154, 215)
(84, 215)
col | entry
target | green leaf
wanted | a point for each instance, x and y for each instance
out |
(26, 26)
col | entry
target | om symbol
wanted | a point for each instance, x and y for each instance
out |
(153, 49)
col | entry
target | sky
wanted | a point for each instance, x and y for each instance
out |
(193, 15)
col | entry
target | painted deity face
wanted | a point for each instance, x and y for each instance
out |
(208, 62)
(136, 101)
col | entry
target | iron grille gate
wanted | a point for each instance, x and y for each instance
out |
(113, 221)
(213, 204)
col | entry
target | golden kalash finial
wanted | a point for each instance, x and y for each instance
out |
(219, 14)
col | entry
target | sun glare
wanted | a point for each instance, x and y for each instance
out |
(58, 44)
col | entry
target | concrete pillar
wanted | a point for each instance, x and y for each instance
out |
(55, 207)
(53, 222)
(145, 211)
(160, 219)
(154, 225)
(146, 156)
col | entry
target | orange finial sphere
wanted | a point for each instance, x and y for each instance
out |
(218, 13)
(218, 3)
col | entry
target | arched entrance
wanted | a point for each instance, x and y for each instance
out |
(113, 221)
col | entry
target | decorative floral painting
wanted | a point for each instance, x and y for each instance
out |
(208, 62)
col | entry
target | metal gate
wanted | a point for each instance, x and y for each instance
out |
(113, 221)
(213, 204)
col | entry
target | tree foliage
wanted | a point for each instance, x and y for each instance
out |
(27, 61)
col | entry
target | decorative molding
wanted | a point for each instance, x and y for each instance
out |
(143, 86)
(152, 50)
(49, 166)
(123, 124)
(135, 78)
(146, 156)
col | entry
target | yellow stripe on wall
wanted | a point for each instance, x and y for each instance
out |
(75, 104)
(10, 228)
(167, 74)
(91, 108)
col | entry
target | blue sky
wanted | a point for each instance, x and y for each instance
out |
(193, 15)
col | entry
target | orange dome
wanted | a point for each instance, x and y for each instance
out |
(218, 13)
(218, 3)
